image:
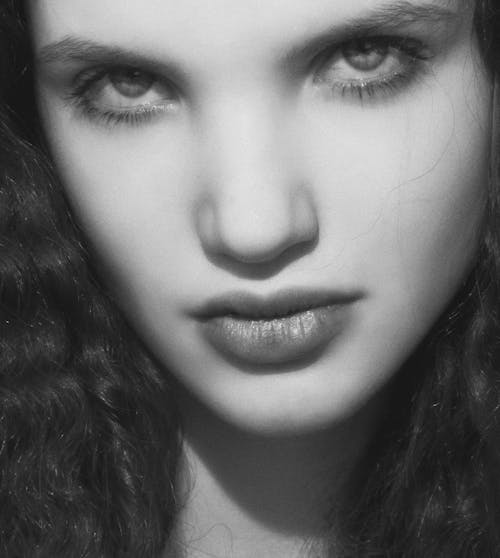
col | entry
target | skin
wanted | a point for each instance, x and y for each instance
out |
(259, 179)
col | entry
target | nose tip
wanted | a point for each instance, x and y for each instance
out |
(256, 233)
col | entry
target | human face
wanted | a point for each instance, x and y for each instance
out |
(335, 148)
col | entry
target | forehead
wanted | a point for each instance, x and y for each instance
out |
(210, 25)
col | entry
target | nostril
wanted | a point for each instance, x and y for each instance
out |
(306, 224)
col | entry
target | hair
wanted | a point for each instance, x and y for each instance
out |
(89, 433)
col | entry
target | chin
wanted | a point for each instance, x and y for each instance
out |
(277, 403)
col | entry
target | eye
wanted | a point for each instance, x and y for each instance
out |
(366, 56)
(371, 65)
(129, 88)
(131, 84)
(123, 95)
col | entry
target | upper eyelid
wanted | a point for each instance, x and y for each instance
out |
(88, 76)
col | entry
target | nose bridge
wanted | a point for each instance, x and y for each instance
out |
(255, 205)
(244, 143)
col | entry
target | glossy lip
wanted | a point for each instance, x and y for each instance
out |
(278, 329)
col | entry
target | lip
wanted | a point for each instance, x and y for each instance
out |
(277, 329)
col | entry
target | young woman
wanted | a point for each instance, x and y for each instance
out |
(249, 267)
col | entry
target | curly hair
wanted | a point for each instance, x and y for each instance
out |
(89, 433)
(434, 489)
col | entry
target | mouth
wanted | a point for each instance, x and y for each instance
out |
(278, 329)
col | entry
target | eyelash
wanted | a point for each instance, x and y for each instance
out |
(414, 50)
(80, 97)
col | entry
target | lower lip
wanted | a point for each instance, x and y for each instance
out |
(279, 340)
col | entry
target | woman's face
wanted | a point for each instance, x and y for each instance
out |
(283, 195)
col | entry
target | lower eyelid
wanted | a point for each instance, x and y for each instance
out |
(111, 116)
(87, 105)
(373, 89)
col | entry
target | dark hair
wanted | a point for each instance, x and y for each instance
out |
(88, 432)
(89, 435)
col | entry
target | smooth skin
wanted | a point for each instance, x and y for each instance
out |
(260, 170)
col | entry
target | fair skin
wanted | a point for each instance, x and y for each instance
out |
(261, 158)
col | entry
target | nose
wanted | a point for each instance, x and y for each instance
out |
(255, 204)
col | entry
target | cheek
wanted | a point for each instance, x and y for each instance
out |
(401, 188)
(129, 189)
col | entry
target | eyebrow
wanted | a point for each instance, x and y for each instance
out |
(404, 12)
(74, 49)
(388, 18)
(391, 16)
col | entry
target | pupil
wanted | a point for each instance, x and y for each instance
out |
(131, 83)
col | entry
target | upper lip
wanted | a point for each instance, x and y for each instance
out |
(282, 303)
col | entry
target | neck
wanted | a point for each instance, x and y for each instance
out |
(244, 494)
